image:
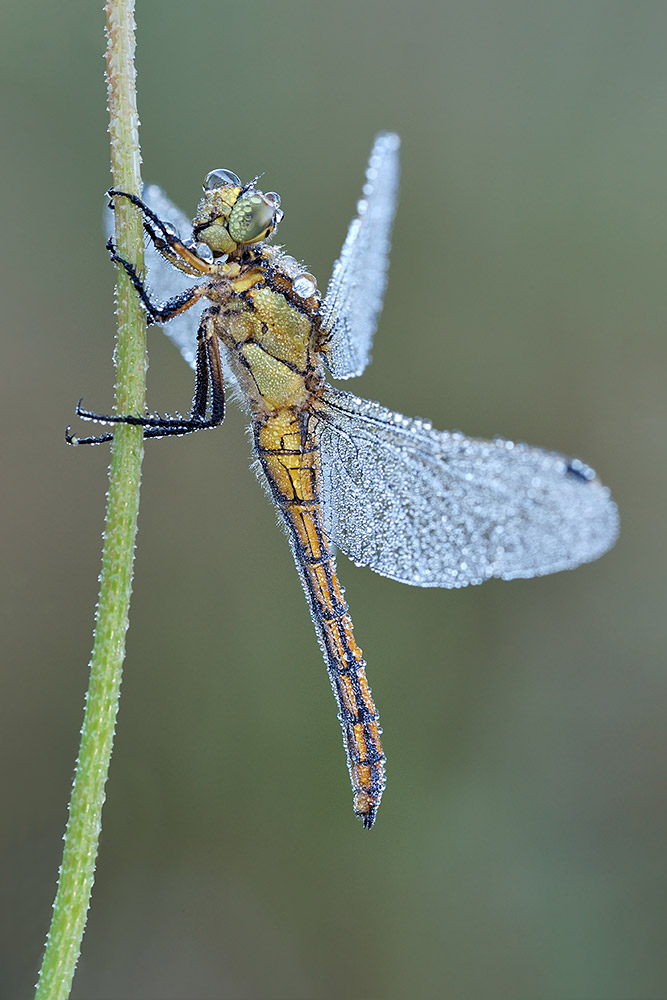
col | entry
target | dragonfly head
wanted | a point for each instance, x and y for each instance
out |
(231, 214)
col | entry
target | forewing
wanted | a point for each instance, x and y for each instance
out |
(354, 296)
(163, 280)
(437, 509)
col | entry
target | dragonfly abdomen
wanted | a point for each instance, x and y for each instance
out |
(290, 460)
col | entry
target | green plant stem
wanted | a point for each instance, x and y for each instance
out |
(77, 873)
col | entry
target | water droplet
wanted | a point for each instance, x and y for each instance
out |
(220, 178)
(304, 286)
(204, 251)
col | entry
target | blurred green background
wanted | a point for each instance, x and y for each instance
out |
(519, 851)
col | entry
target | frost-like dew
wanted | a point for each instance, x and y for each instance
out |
(354, 296)
(410, 502)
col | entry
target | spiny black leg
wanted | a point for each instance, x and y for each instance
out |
(129, 418)
(74, 440)
(165, 238)
(178, 430)
(175, 424)
(154, 427)
(166, 310)
(209, 391)
(168, 231)
(215, 380)
(200, 397)
(208, 376)
(150, 432)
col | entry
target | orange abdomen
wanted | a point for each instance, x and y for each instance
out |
(290, 460)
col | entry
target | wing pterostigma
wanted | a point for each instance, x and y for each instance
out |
(438, 509)
(355, 292)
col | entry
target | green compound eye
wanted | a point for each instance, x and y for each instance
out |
(253, 216)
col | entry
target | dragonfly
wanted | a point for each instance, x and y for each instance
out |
(425, 507)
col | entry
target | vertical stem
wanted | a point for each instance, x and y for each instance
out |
(63, 944)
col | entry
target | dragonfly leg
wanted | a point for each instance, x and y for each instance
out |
(157, 313)
(165, 238)
(209, 397)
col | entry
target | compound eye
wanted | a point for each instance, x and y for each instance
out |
(220, 178)
(253, 216)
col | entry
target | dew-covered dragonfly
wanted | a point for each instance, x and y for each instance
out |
(425, 507)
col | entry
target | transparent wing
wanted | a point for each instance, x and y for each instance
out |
(437, 509)
(356, 289)
(163, 279)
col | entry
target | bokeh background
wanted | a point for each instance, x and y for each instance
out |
(519, 851)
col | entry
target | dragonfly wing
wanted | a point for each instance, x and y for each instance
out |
(438, 509)
(354, 296)
(163, 279)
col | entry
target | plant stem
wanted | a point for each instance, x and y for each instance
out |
(63, 944)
